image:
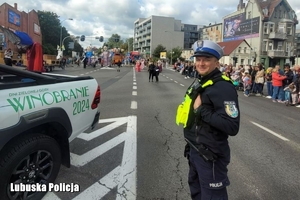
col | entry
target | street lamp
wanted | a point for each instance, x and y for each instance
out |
(60, 38)
(250, 56)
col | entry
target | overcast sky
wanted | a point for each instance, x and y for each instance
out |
(107, 17)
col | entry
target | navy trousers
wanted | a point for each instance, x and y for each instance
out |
(208, 180)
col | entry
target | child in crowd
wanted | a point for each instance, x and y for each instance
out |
(247, 83)
(291, 90)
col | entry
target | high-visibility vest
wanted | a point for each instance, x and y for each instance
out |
(184, 116)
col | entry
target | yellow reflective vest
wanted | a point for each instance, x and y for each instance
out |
(183, 115)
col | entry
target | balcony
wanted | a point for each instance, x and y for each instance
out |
(277, 36)
(276, 53)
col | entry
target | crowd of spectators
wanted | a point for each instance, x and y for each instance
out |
(280, 83)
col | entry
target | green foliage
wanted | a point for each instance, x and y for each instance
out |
(50, 28)
(157, 50)
(111, 43)
(176, 54)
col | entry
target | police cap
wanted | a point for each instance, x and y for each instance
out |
(207, 48)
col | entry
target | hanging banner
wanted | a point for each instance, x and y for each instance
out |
(13, 18)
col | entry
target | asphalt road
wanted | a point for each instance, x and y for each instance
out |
(136, 150)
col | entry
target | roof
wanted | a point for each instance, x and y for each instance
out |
(269, 4)
(230, 46)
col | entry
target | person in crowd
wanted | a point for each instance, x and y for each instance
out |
(286, 82)
(247, 83)
(156, 72)
(297, 83)
(253, 74)
(268, 77)
(151, 70)
(259, 80)
(291, 90)
(8, 54)
(277, 79)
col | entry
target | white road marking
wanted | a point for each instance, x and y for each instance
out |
(81, 74)
(134, 87)
(116, 123)
(123, 176)
(134, 93)
(175, 81)
(133, 105)
(167, 77)
(134, 83)
(182, 85)
(270, 131)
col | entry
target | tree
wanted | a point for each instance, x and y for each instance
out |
(176, 54)
(128, 45)
(114, 41)
(50, 28)
(157, 50)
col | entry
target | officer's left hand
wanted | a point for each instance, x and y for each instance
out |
(197, 102)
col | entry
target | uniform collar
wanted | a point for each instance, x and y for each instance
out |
(214, 73)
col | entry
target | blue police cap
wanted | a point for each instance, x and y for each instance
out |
(207, 48)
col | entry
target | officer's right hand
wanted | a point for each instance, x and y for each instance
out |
(186, 151)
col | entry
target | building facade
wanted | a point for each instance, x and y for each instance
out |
(167, 31)
(155, 30)
(268, 26)
(13, 19)
(190, 35)
(297, 47)
(212, 32)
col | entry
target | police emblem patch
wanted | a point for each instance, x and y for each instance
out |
(231, 109)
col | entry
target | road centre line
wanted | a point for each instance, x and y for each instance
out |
(134, 93)
(270, 131)
(133, 105)
(182, 85)
(134, 87)
(175, 81)
(134, 83)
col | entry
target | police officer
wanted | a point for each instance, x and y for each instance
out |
(215, 116)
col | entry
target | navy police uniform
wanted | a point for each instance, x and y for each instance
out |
(207, 140)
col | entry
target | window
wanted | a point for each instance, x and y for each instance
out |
(288, 47)
(242, 61)
(266, 28)
(245, 49)
(281, 28)
(279, 46)
(264, 46)
(272, 25)
(279, 14)
(275, 15)
(289, 29)
(217, 28)
(249, 15)
(239, 50)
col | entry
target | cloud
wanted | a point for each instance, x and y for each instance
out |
(106, 17)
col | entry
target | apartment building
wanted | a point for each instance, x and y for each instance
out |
(212, 32)
(297, 47)
(167, 31)
(268, 26)
(12, 18)
(190, 35)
